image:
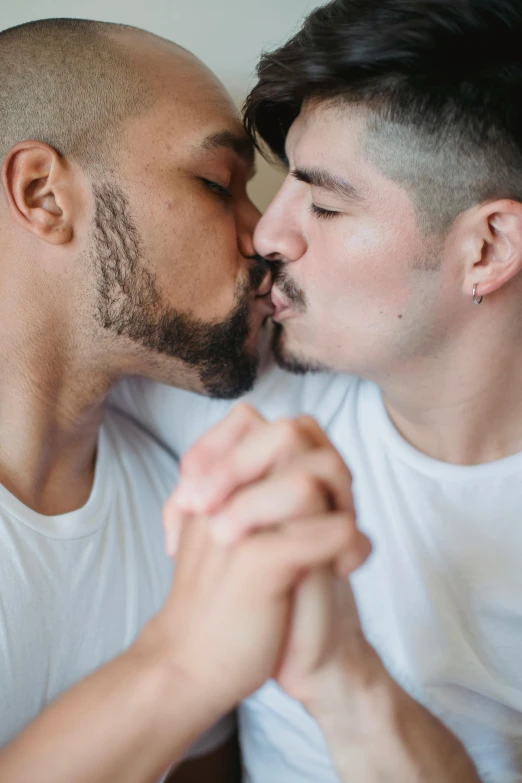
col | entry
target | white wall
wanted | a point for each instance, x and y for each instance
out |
(228, 35)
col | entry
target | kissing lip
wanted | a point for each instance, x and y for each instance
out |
(281, 306)
(266, 286)
(265, 303)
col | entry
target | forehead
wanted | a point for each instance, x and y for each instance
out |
(327, 132)
(336, 139)
(190, 101)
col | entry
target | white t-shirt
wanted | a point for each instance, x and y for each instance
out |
(441, 596)
(76, 589)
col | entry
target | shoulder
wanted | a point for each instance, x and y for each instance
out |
(177, 418)
(142, 458)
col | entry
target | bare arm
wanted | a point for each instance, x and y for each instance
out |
(123, 724)
(129, 721)
(377, 733)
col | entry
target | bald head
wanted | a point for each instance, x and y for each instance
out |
(70, 83)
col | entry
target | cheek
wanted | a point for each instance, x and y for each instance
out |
(192, 249)
(361, 269)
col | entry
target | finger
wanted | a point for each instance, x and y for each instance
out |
(259, 451)
(315, 482)
(310, 623)
(352, 559)
(210, 450)
(198, 554)
(173, 518)
(286, 553)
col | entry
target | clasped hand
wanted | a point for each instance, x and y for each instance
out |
(263, 528)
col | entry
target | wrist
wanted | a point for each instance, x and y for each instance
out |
(354, 692)
(375, 731)
(348, 682)
(356, 705)
(178, 703)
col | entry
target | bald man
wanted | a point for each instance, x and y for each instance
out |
(126, 249)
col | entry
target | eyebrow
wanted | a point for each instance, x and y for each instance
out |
(242, 146)
(320, 178)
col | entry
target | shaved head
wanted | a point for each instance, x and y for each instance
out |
(124, 214)
(69, 83)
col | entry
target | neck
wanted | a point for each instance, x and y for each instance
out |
(51, 404)
(465, 405)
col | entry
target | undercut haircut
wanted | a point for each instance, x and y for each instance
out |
(69, 83)
(440, 82)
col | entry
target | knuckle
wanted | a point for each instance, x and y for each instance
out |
(333, 463)
(192, 461)
(229, 473)
(310, 424)
(290, 435)
(243, 412)
(348, 528)
(307, 488)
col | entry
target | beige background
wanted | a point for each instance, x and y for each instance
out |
(227, 35)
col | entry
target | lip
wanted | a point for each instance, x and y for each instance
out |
(266, 286)
(265, 304)
(281, 306)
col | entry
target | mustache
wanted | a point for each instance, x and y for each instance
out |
(287, 286)
(257, 271)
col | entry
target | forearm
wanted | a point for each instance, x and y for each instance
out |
(376, 733)
(126, 723)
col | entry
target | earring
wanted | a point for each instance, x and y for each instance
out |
(475, 300)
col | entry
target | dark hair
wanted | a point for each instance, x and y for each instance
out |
(440, 78)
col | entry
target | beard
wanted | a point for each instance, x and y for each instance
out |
(130, 305)
(291, 362)
(295, 363)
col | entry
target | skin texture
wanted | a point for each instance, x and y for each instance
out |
(218, 638)
(46, 217)
(367, 291)
(243, 473)
(390, 303)
(89, 259)
(177, 241)
(185, 236)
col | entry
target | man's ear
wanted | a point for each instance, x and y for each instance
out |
(37, 190)
(495, 246)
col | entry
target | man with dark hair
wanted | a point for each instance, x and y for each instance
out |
(127, 250)
(399, 232)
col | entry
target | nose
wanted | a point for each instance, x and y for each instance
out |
(278, 235)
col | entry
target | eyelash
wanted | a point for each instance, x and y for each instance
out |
(322, 214)
(220, 191)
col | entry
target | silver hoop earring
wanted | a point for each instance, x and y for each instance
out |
(475, 300)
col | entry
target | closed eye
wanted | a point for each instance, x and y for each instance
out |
(219, 190)
(324, 214)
